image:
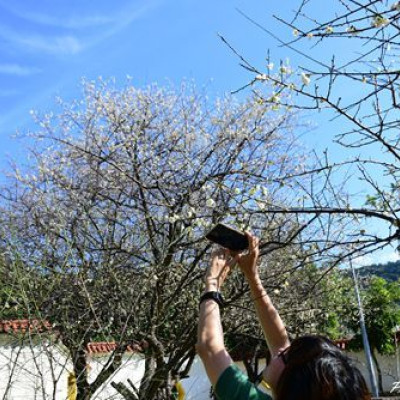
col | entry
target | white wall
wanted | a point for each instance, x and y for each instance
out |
(32, 373)
(132, 369)
(388, 367)
(40, 372)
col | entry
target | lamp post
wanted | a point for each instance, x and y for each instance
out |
(367, 348)
(397, 329)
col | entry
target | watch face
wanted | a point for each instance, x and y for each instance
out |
(216, 296)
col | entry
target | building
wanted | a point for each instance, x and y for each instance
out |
(32, 367)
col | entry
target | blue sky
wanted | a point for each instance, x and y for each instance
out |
(47, 46)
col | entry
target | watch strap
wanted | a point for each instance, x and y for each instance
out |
(215, 296)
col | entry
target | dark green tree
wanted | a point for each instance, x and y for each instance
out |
(380, 300)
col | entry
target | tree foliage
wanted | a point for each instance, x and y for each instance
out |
(109, 218)
(389, 271)
(381, 301)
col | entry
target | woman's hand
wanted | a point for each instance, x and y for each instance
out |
(248, 262)
(220, 265)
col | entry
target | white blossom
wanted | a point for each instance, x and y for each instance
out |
(395, 6)
(352, 29)
(261, 205)
(380, 21)
(210, 203)
(275, 98)
(253, 191)
(262, 77)
(305, 78)
(173, 218)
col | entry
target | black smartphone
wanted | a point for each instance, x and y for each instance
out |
(228, 237)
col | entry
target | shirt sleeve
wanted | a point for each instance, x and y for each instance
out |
(233, 384)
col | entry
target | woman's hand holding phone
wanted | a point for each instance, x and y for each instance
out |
(248, 261)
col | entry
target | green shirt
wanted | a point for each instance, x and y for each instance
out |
(233, 384)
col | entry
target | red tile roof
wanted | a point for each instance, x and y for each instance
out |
(108, 347)
(341, 343)
(24, 325)
(37, 326)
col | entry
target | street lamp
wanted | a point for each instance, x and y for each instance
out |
(367, 348)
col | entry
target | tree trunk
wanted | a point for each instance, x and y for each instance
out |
(159, 378)
(123, 390)
(252, 364)
(149, 370)
(80, 370)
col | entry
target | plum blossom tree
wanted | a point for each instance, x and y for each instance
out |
(345, 69)
(109, 219)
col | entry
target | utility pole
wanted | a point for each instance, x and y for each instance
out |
(367, 348)
(397, 329)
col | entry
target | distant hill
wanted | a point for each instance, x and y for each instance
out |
(389, 271)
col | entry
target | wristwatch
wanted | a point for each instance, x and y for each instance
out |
(215, 296)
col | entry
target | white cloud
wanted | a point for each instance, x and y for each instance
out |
(71, 44)
(80, 21)
(124, 18)
(18, 70)
(378, 257)
(64, 45)
(362, 261)
(53, 45)
(64, 21)
(69, 22)
(387, 257)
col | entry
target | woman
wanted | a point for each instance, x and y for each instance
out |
(310, 367)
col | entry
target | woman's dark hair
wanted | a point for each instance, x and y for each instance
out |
(316, 369)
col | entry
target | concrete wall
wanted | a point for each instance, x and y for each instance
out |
(33, 373)
(40, 372)
(388, 364)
